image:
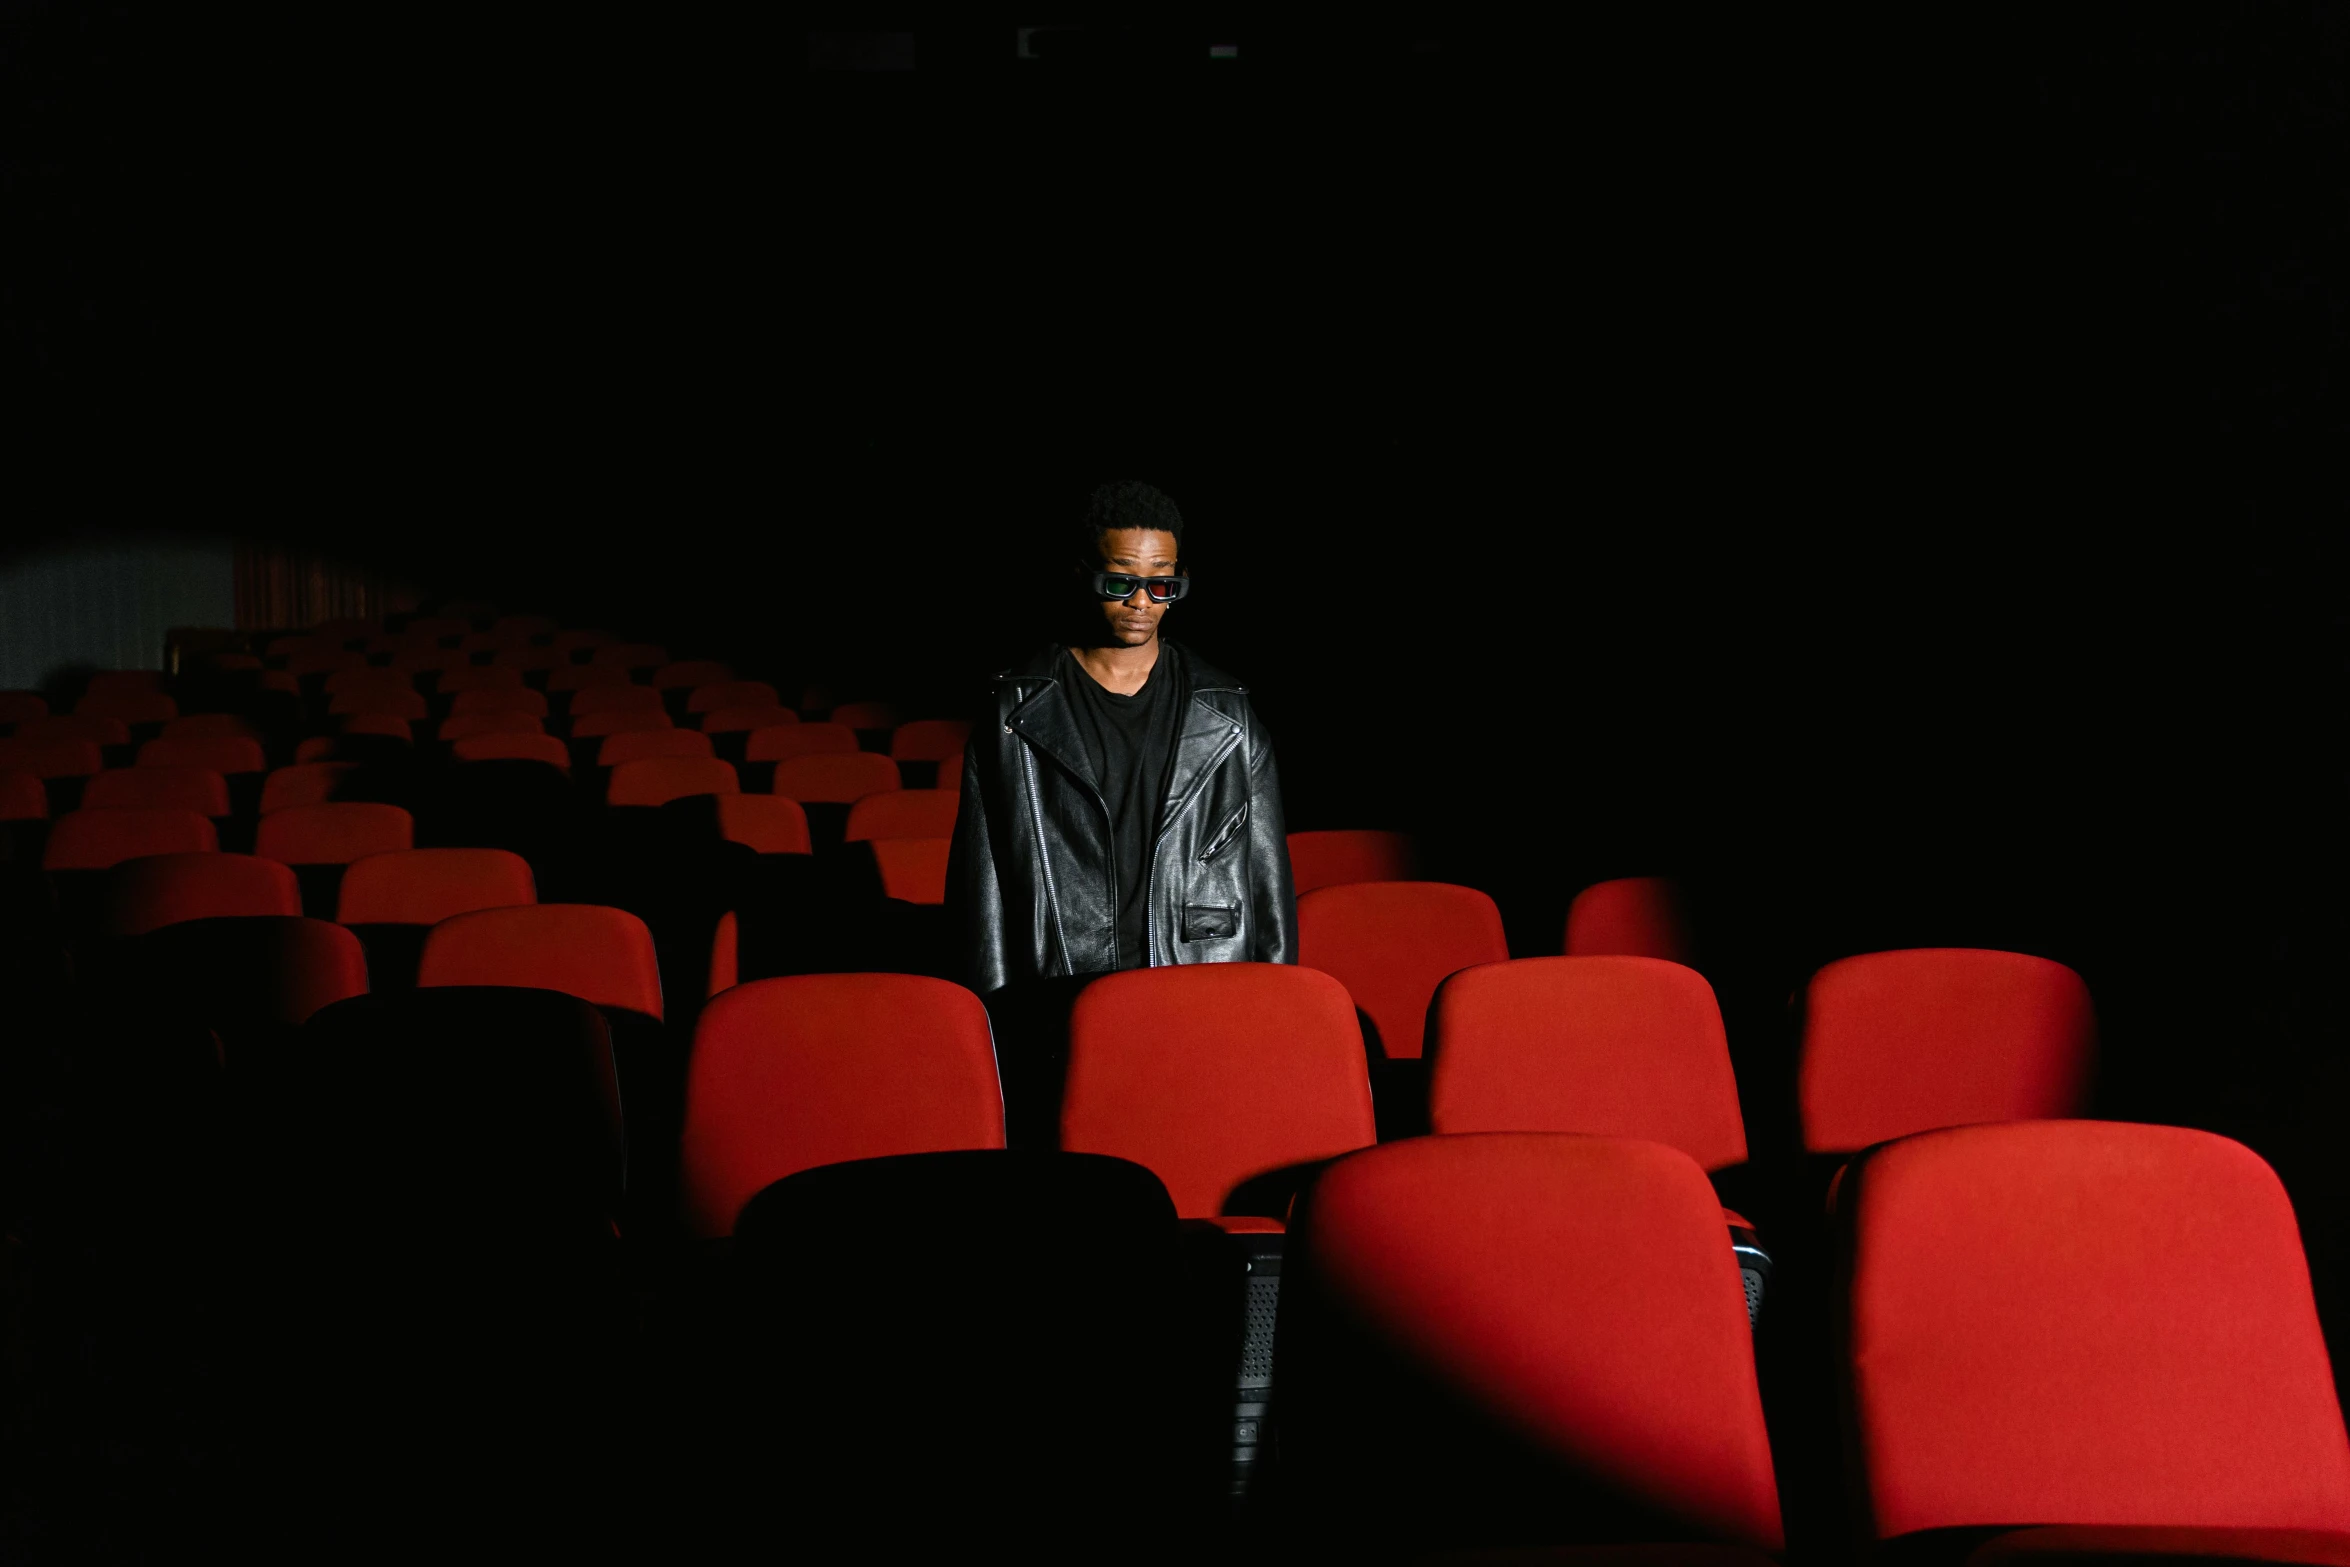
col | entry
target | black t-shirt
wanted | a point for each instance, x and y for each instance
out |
(1130, 740)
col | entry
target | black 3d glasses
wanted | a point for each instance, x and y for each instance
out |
(1118, 585)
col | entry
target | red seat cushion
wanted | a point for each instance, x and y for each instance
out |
(1391, 943)
(155, 890)
(426, 886)
(1334, 859)
(1634, 916)
(94, 840)
(603, 956)
(334, 833)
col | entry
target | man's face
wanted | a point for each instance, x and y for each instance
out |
(1141, 552)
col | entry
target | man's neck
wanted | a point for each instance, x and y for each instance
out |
(1120, 669)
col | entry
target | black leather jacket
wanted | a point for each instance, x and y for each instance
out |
(1028, 882)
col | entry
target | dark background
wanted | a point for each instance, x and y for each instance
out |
(1884, 472)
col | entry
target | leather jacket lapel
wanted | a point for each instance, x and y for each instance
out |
(1043, 719)
(1207, 737)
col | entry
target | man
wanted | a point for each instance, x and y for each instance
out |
(1120, 808)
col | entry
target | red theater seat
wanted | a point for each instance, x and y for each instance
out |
(388, 724)
(788, 1074)
(865, 715)
(426, 886)
(833, 778)
(1391, 943)
(1901, 1042)
(506, 699)
(222, 753)
(735, 720)
(1226, 1080)
(156, 890)
(462, 726)
(2088, 1323)
(17, 706)
(767, 823)
(527, 658)
(121, 682)
(785, 741)
(722, 694)
(211, 726)
(52, 758)
(594, 726)
(637, 745)
(1617, 1047)
(913, 870)
(615, 699)
(904, 813)
(406, 702)
(928, 740)
(333, 834)
(351, 682)
(304, 783)
(101, 839)
(22, 799)
(130, 707)
(471, 679)
(1523, 1338)
(603, 956)
(692, 673)
(197, 789)
(96, 728)
(576, 678)
(512, 746)
(1636, 916)
(1335, 859)
(657, 780)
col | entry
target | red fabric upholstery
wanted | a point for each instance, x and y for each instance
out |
(865, 715)
(1618, 1047)
(788, 1074)
(726, 949)
(1635, 916)
(590, 726)
(1900, 1042)
(692, 673)
(163, 889)
(333, 834)
(913, 869)
(472, 678)
(784, 741)
(1391, 943)
(928, 739)
(2066, 1543)
(405, 703)
(1215, 1074)
(831, 777)
(657, 780)
(527, 658)
(1333, 859)
(94, 840)
(211, 726)
(511, 746)
(511, 699)
(391, 724)
(52, 758)
(735, 720)
(197, 789)
(17, 706)
(638, 745)
(131, 707)
(509, 721)
(904, 813)
(615, 699)
(768, 824)
(603, 956)
(221, 753)
(426, 886)
(1578, 1285)
(2088, 1322)
(96, 728)
(120, 682)
(22, 798)
(719, 695)
(304, 783)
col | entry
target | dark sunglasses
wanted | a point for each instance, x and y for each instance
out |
(1118, 585)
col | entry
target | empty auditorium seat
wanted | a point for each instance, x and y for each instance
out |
(904, 813)
(211, 726)
(130, 707)
(155, 890)
(197, 789)
(2084, 1323)
(594, 726)
(913, 870)
(403, 702)
(585, 677)
(17, 706)
(250, 979)
(865, 715)
(1226, 1080)
(615, 699)
(390, 725)
(304, 783)
(504, 721)
(735, 720)
(101, 839)
(227, 754)
(692, 674)
(22, 799)
(52, 758)
(1391, 943)
(721, 694)
(1611, 1046)
(788, 1074)
(765, 822)
(512, 745)
(1901, 1042)
(927, 739)
(426, 886)
(1335, 859)
(638, 745)
(601, 955)
(504, 699)
(117, 682)
(486, 677)
(833, 778)
(1520, 1339)
(96, 728)
(334, 833)
(1634, 916)
(656, 780)
(784, 741)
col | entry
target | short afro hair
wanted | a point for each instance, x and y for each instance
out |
(1129, 503)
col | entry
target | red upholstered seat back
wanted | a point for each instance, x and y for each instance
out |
(1333, 859)
(1391, 943)
(22, 798)
(2085, 1322)
(96, 728)
(221, 753)
(784, 741)
(512, 747)
(723, 694)
(603, 956)
(904, 813)
(734, 720)
(304, 783)
(768, 824)
(656, 780)
(1901, 1042)
(210, 726)
(333, 834)
(929, 739)
(93, 840)
(865, 715)
(155, 890)
(1618, 1047)
(131, 707)
(508, 699)
(833, 778)
(1578, 1288)
(588, 726)
(913, 870)
(616, 698)
(1633, 916)
(491, 721)
(403, 701)
(789, 1074)
(638, 745)
(426, 886)
(1214, 1074)
(197, 789)
(52, 758)
(692, 674)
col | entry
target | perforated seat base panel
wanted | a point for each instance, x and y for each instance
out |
(1252, 1427)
